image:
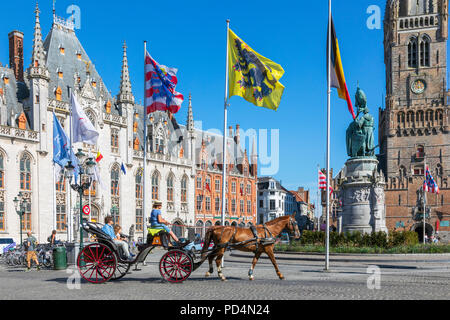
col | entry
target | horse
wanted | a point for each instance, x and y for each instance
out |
(243, 239)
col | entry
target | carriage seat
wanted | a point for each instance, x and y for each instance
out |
(102, 237)
(158, 237)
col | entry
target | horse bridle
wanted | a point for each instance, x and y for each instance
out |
(292, 222)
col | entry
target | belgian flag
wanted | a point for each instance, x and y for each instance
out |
(337, 71)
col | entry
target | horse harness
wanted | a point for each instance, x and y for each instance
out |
(258, 241)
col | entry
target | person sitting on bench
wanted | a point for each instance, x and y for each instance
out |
(109, 230)
(157, 221)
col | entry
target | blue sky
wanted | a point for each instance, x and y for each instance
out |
(191, 36)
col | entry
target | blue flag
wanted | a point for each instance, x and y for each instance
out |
(61, 147)
(123, 169)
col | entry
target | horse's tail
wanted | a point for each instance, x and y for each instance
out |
(208, 238)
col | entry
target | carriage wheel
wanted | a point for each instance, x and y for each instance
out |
(96, 263)
(121, 270)
(175, 266)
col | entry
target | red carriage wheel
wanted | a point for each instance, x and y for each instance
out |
(96, 263)
(175, 266)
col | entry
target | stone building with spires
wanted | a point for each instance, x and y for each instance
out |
(29, 97)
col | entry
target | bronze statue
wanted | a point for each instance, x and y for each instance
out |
(360, 138)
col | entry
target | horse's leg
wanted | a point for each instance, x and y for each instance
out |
(255, 260)
(219, 264)
(269, 251)
(211, 269)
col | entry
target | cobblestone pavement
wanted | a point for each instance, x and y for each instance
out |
(401, 277)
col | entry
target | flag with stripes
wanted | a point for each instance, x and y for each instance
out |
(160, 83)
(323, 182)
(429, 185)
(337, 71)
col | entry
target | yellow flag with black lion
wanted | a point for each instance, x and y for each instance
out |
(252, 76)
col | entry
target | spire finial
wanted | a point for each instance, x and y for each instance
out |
(125, 93)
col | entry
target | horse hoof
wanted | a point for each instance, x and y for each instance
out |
(207, 274)
(282, 278)
(251, 278)
(224, 279)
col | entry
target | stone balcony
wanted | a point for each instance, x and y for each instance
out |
(115, 119)
(419, 22)
(16, 133)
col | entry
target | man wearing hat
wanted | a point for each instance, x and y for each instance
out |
(157, 221)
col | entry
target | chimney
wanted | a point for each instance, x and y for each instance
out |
(230, 134)
(237, 138)
(16, 53)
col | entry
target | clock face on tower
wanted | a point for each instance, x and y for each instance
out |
(418, 86)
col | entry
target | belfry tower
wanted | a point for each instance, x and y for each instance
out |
(414, 126)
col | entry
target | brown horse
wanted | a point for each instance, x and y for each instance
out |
(242, 239)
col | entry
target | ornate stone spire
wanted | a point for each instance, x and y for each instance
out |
(125, 94)
(38, 56)
(190, 119)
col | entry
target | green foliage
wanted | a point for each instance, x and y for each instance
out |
(357, 239)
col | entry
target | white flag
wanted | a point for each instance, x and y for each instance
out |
(82, 128)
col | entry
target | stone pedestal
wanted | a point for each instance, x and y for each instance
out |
(362, 196)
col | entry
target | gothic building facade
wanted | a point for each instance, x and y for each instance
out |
(241, 181)
(414, 125)
(28, 99)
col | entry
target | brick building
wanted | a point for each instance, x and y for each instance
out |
(413, 127)
(241, 184)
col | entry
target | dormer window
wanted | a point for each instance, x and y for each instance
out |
(60, 73)
(6, 79)
(78, 56)
(58, 94)
(108, 107)
(62, 50)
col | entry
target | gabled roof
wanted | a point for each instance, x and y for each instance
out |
(71, 66)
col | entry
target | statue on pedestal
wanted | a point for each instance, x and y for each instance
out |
(360, 138)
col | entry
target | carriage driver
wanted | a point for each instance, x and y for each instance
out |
(157, 221)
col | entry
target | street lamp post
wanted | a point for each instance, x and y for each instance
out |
(20, 203)
(83, 170)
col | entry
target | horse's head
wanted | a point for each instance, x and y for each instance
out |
(292, 227)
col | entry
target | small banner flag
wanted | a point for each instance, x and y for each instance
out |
(252, 76)
(122, 167)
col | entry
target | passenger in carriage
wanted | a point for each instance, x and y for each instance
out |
(157, 221)
(109, 230)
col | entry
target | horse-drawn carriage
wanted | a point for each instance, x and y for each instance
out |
(101, 261)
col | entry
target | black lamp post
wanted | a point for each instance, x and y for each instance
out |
(83, 170)
(20, 203)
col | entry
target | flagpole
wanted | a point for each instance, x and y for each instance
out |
(144, 215)
(224, 158)
(327, 242)
(424, 197)
(54, 197)
(316, 214)
(224, 172)
(70, 219)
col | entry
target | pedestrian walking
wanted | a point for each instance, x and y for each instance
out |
(30, 248)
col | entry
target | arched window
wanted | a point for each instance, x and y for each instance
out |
(2, 172)
(170, 188)
(412, 53)
(425, 52)
(25, 173)
(155, 186)
(115, 191)
(61, 213)
(139, 186)
(184, 189)
(199, 229)
(159, 142)
(115, 141)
